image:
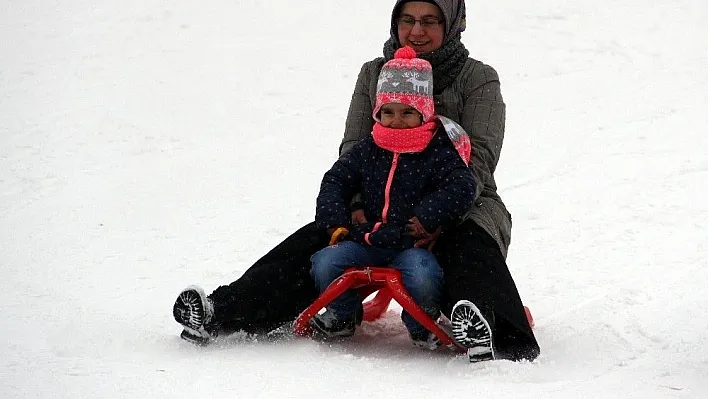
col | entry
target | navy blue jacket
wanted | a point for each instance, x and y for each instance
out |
(435, 185)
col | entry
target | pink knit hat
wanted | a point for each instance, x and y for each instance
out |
(406, 79)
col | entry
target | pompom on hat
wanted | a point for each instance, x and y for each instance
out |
(408, 80)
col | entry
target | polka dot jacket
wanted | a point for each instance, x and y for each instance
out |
(434, 185)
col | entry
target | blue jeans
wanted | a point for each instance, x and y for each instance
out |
(421, 275)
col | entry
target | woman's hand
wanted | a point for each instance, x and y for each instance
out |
(423, 239)
(358, 217)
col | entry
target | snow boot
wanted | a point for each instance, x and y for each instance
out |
(330, 326)
(425, 340)
(193, 310)
(472, 330)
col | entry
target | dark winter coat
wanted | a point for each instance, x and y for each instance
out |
(474, 101)
(434, 185)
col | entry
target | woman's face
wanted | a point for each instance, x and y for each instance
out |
(422, 26)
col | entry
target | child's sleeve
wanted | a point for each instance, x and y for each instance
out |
(338, 185)
(453, 192)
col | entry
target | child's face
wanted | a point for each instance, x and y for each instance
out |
(400, 116)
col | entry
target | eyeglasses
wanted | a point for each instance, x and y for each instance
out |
(406, 21)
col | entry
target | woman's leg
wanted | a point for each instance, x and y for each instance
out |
(422, 277)
(475, 270)
(272, 292)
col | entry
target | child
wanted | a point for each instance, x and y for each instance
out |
(413, 178)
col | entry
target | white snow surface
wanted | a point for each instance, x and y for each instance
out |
(149, 145)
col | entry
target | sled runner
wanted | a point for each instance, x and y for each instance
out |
(387, 281)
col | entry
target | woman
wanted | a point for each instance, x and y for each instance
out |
(473, 254)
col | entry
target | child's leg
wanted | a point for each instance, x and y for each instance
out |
(329, 263)
(422, 276)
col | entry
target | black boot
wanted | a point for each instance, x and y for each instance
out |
(473, 331)
(194, 311)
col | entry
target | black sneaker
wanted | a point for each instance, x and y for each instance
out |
(193, 310)
(327, 325)
(425, 340)
(471, 330)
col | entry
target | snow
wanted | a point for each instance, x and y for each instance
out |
(145, 146)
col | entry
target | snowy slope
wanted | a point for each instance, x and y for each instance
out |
(147, 145)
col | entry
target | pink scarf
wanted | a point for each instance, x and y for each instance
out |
(404, 140)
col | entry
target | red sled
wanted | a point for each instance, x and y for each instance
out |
(387, 281)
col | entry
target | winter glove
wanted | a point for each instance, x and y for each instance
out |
(337, 234)
(391, 236)
(358, 231)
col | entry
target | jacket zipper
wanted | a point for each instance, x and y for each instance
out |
(387, 196)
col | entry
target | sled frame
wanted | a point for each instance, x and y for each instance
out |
(386, 283)
(367, 280)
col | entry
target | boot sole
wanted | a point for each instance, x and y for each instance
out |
(471, 330)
